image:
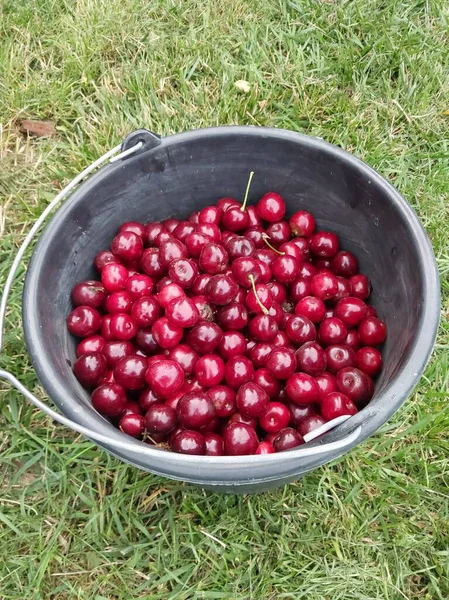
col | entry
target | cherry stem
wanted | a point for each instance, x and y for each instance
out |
(253, 285)
(265, 238)
(248, 185)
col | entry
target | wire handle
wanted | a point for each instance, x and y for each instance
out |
(112, 156)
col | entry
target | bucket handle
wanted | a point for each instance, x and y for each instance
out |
(112, 156)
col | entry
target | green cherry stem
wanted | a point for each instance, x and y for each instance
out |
(265, 238)
(248, 185)
(253, 285)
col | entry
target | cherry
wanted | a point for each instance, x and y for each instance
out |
(360, 286)
(115, 351)
(119, 302)
(226, 202)
(182, 312)
(146, 398)
(89, 293)
(188, 442)
(165, 378)
(279, 234)
(195, 242)
(356, 384)
(292, 249)
(90, 369)
(324, 285)
(214, 444)
(213, 259)
(344, 264)
(310, 423)
(255, 235)
(183, 271)
(166, 334)
(371, 311)
(194, 217)
(263, 328)
(223, 399)
(114, 277)
(340, 357)
(127, 245)
(311, 358)
(286, 439)
(183, 229)
(132, 408)
(350, 310)
(169, 293)
(195, 410)
(139, 285)
(164, 236)
(239, 439)
(185, 356)
(123, 326)
(239, 418)
(221, 289)
(135, 227)
(160, 418)
(302, 223)
(285, 268)
(231, 344)
(132, 424)
(369, 360)
(372, 332)
(324, 244)
(210, 214)
(265, 270)
(238, 370)
(209, 370)
(251, 400)
(306, 270)
(171, 250)
(145, 311)
(312, 308)
(239, 246)
(93, 343)
(278, 291)
(146, 342)
(204, 337)
(152, 230)
(243, 268)
(300, 329)
(332, 331)
(301, 388)
(336, 405)
(170, 224)
(109, 399)
(260, 353)
(281, 340)
(271, 207)
(264, 448)
(299, 412)
(343, 291)
(233, 316)
(83, 321)
(268, 382)
(275, 417)
(105, 329)
(210, 230)
(200, 284)
(150, 263)
(327, 383)
(352, 339)
(130, 372)
(103, 258)
(281, 363)
(300, 288)
(235, 218)
(259, 299)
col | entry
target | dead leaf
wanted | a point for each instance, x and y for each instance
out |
(446, 113)
(262, 104)
(243, 86)
(38, 128)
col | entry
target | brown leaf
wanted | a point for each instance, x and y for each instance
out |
(38, 128)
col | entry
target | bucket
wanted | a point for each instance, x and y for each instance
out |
(150, 179)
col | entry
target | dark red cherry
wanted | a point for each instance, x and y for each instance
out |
(233, 316)
(135, 227)
(204, 307)
(223, 399)
(109, 399)
(265, 270)
(185, 356)
(83, 321)
(132, 424)
(356, 384)
(221, 289)
(119, 302)
(130, 372)
(235, 219)
(278, 291)
(103, 258)
(195, 410)
(344, 264)
(105, 329)
(244, 269)
(89, 293)
(171, 250)
(188, 442)
(260, 299)
(311, 358)
(123, 326)
(200, 284)
(310, 424)
(300, 288)
(127, 245)
(139, 285)
(302, 388)
(275, 417)
(146, 398)
(369, 360)
(339, 357)
(183, 271)
(271, 207)
(352, 339)
(251, 400)
(268, 382)
(150, 263)
(164, 236)
(169, 293)
(263, 328)
(281, 340)
(231, 344)
(145, 341)
(93, 343)
(307, 270)
(336, 405)
(238, 370)
(302, 223)
(312, 308)
(372, 331)
(239, 439)
(281, 363)
(285, 268)
(332, 331)
(343, 291)
(145, 311)
(213, 259)
(324, 244)
(279, 234)
(264, 448)
(170, 224)
(239, 418)
(210, 214)
(115, 351)
(260, 353)
(182, 312)
(300, 330)
(360, 286)
(210, 230)
(255, 235)
(166, 334)
(324, 285)
(165, 378)
(214, 444)
(152, 230)
(226, 202)
(209, 370)
(90, 369)
(298, 412)
(160, 418)
(183, 229)
(287, 439)
(327, 383)
(350, 310)
(204, 337)
(240, 246)
(195, 242)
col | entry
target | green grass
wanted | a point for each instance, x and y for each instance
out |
(368, 75)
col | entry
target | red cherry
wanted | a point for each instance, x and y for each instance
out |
(268, 382)
(369, 360)
(105, 329)
(200, 284)
(340, 357)
(123, 326)
(210, 214)
(160, 418)
(204, 307)
(170, 224)
(115, 351)
(299, 412)
(213, 259)
(195, 410)
(150, 263)
(165, 378)
(139, 285)
(204, 337)
(285, 268)
(146, 398)
(89, 293)
(188, 442)
(310, 423)
(114, 277)
(145, 341)
(152, 230)
(127, 245)
(93, 343)
(302, 223)
(166, 334)
(130, 371)
(214, 444)
(271, 207)
(350, 310)
(231, 344)
(259, 299)
(312, 308)
(255, 235)
(242, 268)
(238, 370)
(263, 328)
(221, 289)
(251, 400)
(239, 439)
(182, 312)
(275, 417)
(223, 399)
(360, 286)
(279, 234)
(281, 363)
(356, 384)
(145, 311)
(83, 321)
(311, 358)
(210, 230)
(260, 353)
(324, 285)
(327, 383)
(185, 356)
(292, 249)
(235, 219)
(109, 399)
(132, 424)
(372, 331)
(184, 272)
(240, 246)
(134, 226)
(306, 270)
(264, 448)
(286, 439)
(302, 389)
(300, 288)
(344, 264)
(90, 369)
(195, 242)
(183, 229)
(119, 302)
(226, 202)
(352, 339)
(336, 405)
(103, 258)
(324, 244)
(233, 316)
(209, 370)
(278, 291)
(332, 331)
(171, 250)
(300, 330)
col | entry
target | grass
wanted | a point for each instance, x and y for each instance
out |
(368, 75)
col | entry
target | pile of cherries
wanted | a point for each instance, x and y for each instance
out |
(233, 332)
